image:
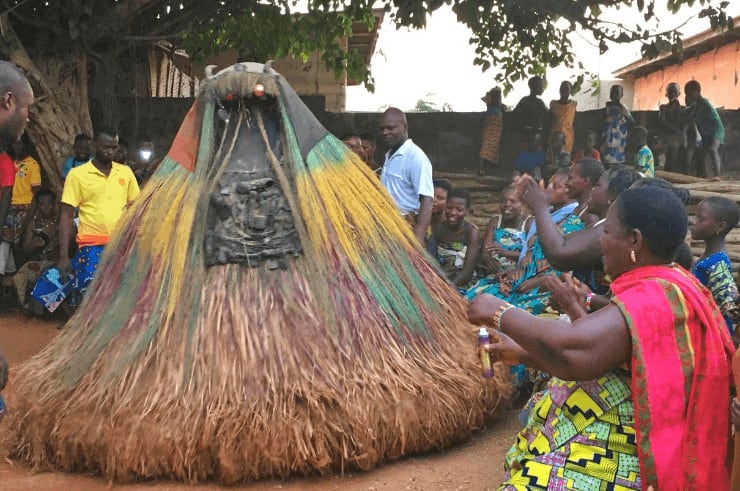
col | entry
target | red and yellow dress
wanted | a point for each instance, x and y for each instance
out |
(563, 116)
(662, 422)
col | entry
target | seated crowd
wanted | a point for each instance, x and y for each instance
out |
(51, 243)
(618, 342)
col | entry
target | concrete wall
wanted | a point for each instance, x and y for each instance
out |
(450, 139)
(716, 71)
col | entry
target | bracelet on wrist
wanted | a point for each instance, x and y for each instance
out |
(498, 316)
(589, 297)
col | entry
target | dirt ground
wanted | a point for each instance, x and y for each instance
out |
(475, 465)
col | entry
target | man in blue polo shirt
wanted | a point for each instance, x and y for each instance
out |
(407, 172)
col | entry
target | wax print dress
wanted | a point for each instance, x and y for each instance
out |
(563, 117)
(531, 264)
(715, 272)
(510, 239)
(615, 134)
(646, 424)
(490, 141)
(451, 255)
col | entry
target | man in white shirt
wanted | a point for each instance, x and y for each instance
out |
(407, 172)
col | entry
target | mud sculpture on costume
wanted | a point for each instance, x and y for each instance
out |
(262, 311)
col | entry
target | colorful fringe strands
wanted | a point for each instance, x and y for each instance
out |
(262, 311)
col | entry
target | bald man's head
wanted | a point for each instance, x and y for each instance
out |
(16, 96)
(393, 127)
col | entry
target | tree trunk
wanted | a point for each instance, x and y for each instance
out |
(61, 109)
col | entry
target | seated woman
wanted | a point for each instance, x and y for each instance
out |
(442, 188)
(521, 286)
(580, 251)
(503, 240)
(641, 387)
(458, 241)
(40, 243)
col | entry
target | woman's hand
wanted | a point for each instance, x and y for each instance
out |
(527, 286)
(496, 248)
(482, 308)
(503, 348)
(567, 294)
(531, 193)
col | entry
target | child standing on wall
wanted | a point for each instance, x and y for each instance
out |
(674, 127)
(616, 125)
(493, 126)
(530, 113)
(562, 116)
(557, 156)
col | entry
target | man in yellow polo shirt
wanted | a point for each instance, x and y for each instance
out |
(100, 189)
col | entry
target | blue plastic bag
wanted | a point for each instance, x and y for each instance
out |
(51, 289)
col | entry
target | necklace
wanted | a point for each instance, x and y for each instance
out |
(43, 224)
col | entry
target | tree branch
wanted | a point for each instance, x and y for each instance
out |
(164, 37)
(32, 21)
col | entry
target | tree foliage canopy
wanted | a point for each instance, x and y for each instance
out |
(522, 38)
(519, 37)
(258, 31)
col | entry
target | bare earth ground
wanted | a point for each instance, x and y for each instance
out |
(475, 465)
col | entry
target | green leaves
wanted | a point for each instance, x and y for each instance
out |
(265, 32)
(517, 38)
(520, 38)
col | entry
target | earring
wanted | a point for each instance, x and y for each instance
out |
(633, 257)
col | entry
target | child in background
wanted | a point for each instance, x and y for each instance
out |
(642, 156)
(458, 241)
(562, 116)
(674, 129)
(442, 188)
(715, 218)
(531, 112)
(82, 149)
(493, 126)
(588, 151)
(531, 160)
(617, 122)
(557, 156)
(504, 237)
(657, 147)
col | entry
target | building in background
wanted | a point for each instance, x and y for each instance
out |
(170, 73)
(588, 101)
(711, 57)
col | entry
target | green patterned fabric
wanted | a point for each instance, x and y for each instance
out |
(580, 436)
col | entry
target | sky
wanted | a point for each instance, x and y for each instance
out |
(436, 64)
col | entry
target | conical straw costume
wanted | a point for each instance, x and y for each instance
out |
(263, 310)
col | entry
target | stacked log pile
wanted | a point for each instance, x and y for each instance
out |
(701, 189)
